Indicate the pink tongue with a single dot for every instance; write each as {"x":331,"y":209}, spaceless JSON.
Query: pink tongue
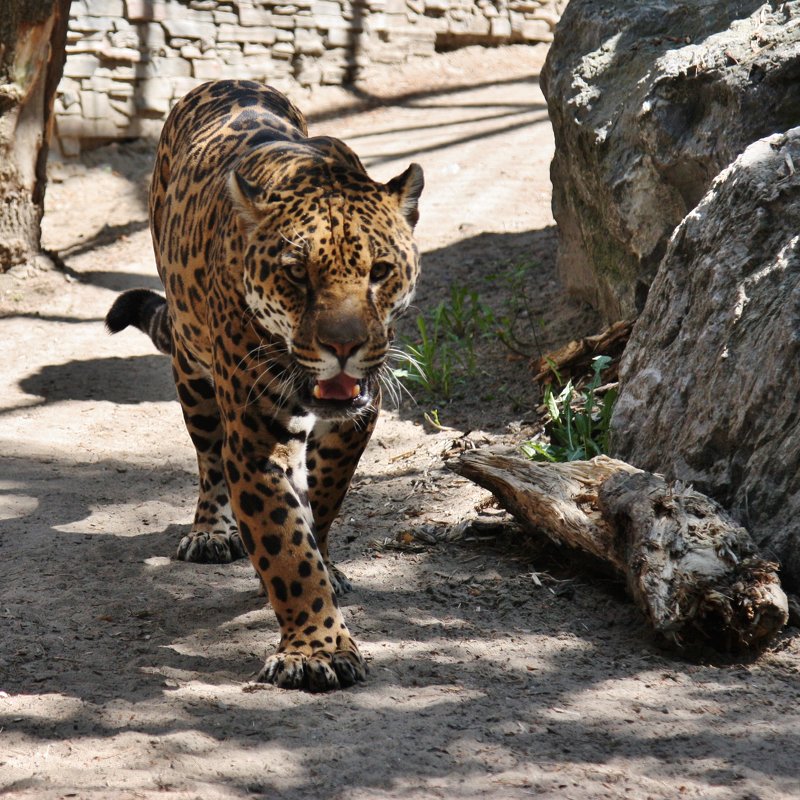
{"x":342,"y":387}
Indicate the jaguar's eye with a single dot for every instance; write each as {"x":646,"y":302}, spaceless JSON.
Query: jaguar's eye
{"x":380,"y":271}
{"x":297,"y":272}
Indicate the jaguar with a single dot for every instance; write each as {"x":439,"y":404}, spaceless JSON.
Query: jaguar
{"x":284,"y":268}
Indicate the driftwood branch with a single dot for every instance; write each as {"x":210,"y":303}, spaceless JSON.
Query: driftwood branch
{"x":574,"y":359}
{"x":694,"y":572}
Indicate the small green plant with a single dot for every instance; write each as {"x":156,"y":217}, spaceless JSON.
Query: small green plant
{"x":517,"y":327}
{"x":443,"y":354}
{"x":432,"y":418}
{"x":465,"y":316}
{"x":578,"y":420}
{"x":428,"y":363}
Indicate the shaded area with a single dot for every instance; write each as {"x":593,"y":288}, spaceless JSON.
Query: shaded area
{"x":513,"y":276}
{"x":144,"y":379}
{"x":417,"y":151}
{"x":363,"y":98}
{"x":120,"y":281}
{"x":108,"y":234}
{"x":501,"y":718}
{"x":33,"y":315}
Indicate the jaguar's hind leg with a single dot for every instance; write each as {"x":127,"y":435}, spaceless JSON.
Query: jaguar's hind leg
{"x":214,"y":537}
{"x":334,"y":450}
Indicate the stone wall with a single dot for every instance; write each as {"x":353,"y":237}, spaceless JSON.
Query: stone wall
{"x":128,"y":61}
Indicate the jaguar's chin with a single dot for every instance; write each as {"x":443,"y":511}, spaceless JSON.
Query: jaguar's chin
{"x":340,"y":397}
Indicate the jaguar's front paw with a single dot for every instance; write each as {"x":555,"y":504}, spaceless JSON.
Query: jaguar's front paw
{"x":211,"y":547}
{"x":321,"y":671}
{"x":339,"y":581}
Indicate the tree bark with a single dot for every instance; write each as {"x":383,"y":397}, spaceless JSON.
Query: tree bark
{"x":694,"y":572}
{"x":574,"y":359}
{"x":33,"y":35}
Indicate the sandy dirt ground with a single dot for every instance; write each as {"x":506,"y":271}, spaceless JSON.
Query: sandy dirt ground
{"x":499,"y":667}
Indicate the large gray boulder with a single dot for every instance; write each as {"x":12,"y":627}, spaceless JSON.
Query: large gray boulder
{"x":649,"y":100}
{"x":710,"y":380}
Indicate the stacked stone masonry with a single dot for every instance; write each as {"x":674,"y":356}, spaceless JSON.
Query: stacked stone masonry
{"x":128,"y":61}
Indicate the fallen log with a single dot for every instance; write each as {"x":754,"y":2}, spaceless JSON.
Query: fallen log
{"x":575,"y":358}
{"x":693,"y":571}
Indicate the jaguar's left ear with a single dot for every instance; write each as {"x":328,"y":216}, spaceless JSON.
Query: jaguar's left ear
{"x":407,"y":187}
{"x":245,"y":196}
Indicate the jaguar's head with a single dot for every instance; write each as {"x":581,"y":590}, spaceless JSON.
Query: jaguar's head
{"x":329,"y":263}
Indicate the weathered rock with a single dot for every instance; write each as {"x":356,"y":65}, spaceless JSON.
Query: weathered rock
{"x":649,"y":100}
{"x":710,"y":378}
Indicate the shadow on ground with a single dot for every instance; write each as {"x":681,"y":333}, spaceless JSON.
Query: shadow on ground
{"x":142,"y":379}
{"x":143,"y":626}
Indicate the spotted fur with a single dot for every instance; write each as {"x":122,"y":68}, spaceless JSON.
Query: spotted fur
{"x":284,"y":266}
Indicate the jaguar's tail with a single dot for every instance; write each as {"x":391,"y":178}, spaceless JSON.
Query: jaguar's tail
{"x":147,"y":311}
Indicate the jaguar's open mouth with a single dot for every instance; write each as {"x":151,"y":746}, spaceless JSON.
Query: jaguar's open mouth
{"x":340,"y":393}
{"x":341,"y":387}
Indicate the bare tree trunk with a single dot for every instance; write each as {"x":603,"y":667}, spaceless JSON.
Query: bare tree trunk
{"x":33,"y":35}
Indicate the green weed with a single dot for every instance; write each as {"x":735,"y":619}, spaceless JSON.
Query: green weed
{"x":444,"y":352}
{"x":578,"y":420}
{"x":517,"y":327}
{"x":428,"y":363}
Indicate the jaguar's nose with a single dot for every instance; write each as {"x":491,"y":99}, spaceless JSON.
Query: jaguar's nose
{"x":343,"y":350}
{"x":341,"y":333}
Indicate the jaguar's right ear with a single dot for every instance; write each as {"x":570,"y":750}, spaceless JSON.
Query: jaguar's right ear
{"x":407,"y":188}
{"x":246,"y":197}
